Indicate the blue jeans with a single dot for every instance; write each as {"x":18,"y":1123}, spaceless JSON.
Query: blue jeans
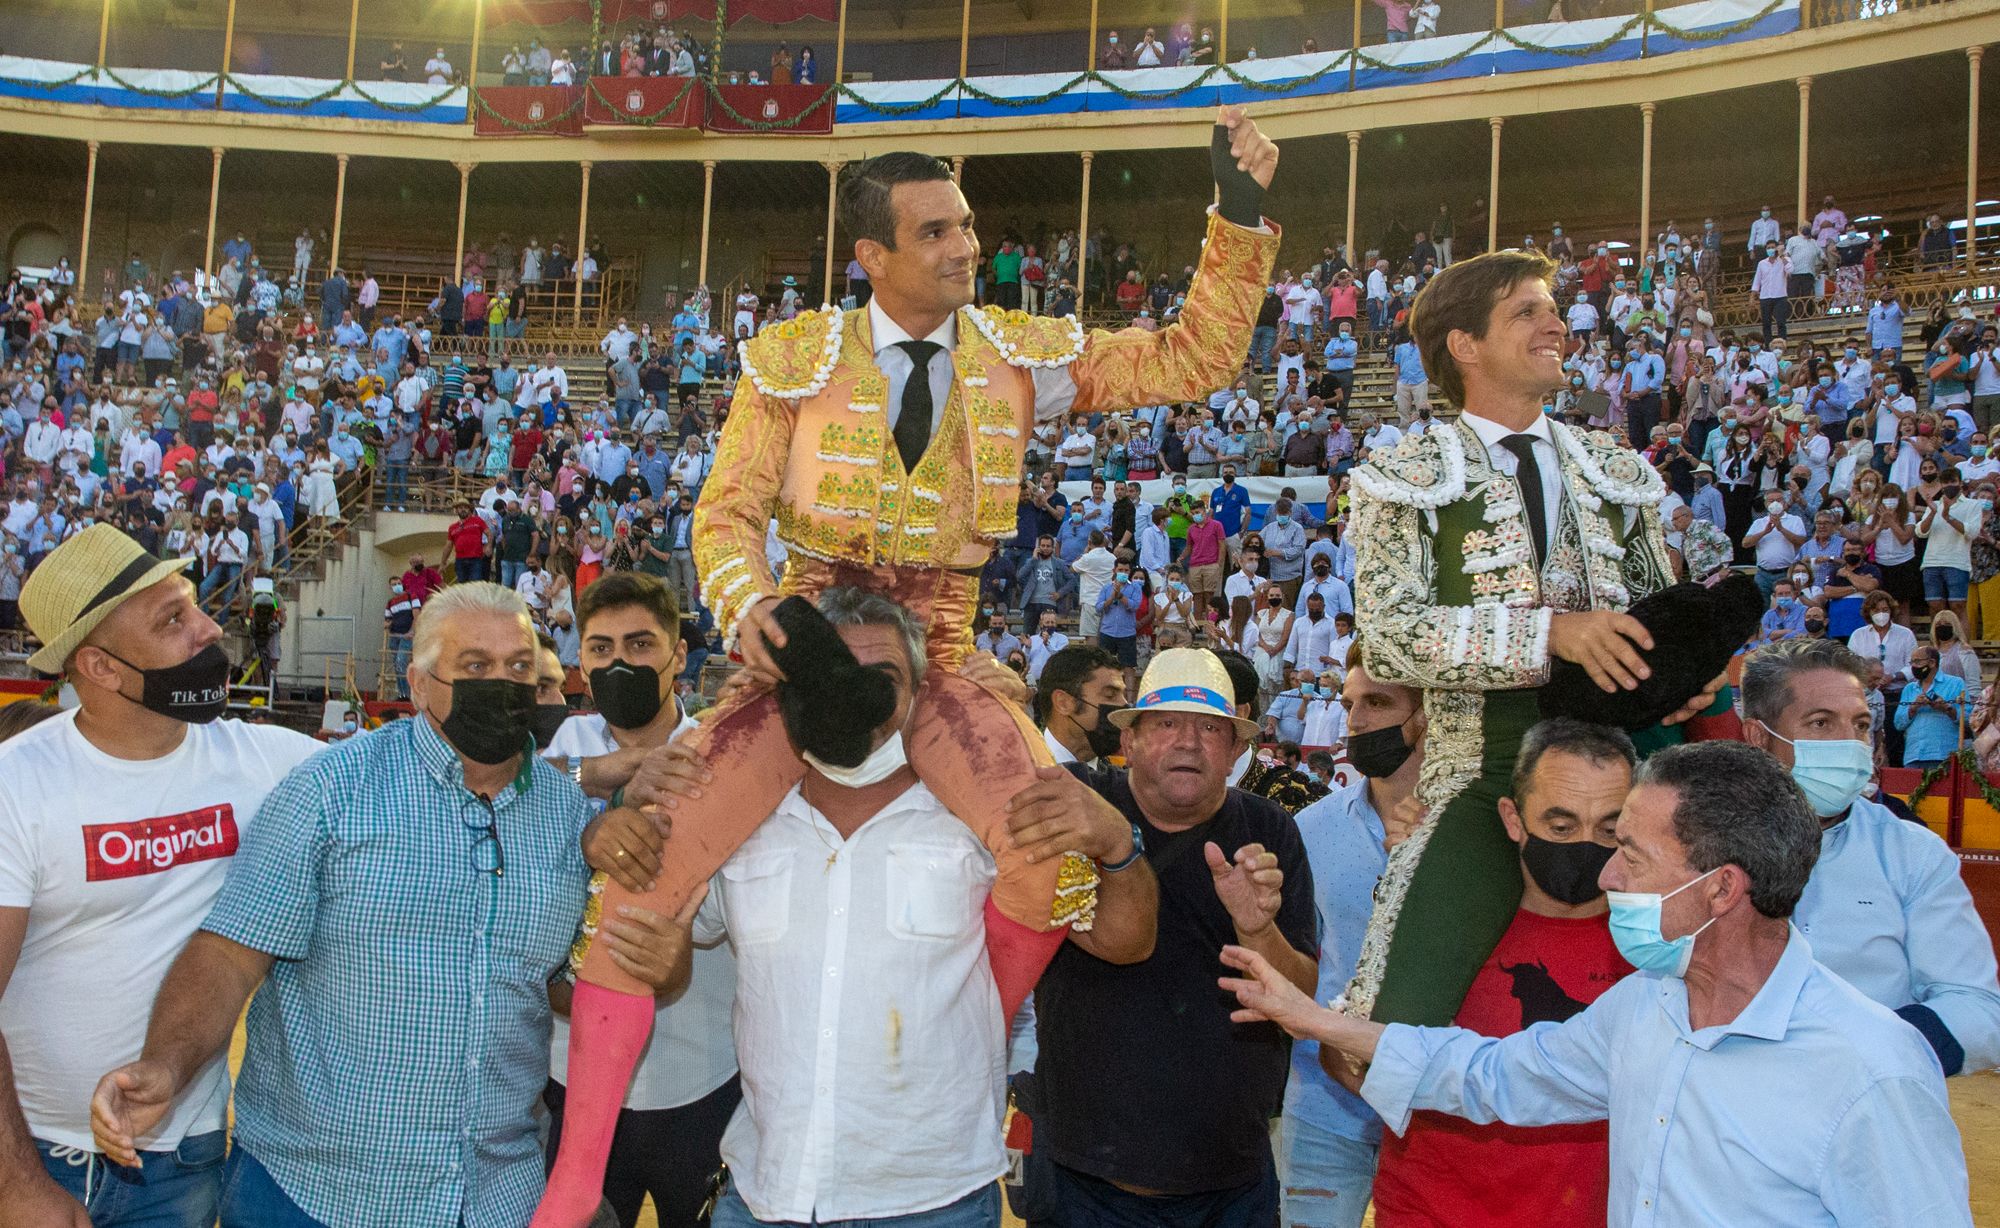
{"x":1327,"y":1178}
{"x":399,"y":652}
{"x":251,"y":1197}
{"x":626,"y":408}
{"x":169,"y":1189}
{"x":1262,"y":339}
{"x":510,"y":572}
{"x":396,"y":475}
{"x":979,"y":1209}
{"x":223,"y":576}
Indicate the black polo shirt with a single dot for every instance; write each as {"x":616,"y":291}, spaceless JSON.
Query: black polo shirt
{"x":1143,"y":1078}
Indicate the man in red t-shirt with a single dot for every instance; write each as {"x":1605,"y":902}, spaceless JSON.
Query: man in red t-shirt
{"x":468,"y":543}
{"x":527,"y":441}
{"x":1557,"y":957}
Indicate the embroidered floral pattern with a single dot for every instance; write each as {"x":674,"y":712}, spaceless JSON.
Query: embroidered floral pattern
{"x":793,"y":359}
{"x":1030,"y":341}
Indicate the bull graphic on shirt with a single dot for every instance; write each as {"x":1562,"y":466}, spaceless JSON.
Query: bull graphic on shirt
{"x":1541,"y":999}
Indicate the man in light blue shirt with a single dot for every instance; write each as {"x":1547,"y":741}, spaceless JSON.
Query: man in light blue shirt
{"x":398,"y":909}
{"x":1929,"y":711}
{"x":1644,"y":376}
{"x":1331,"y":1135}
{"x":1786,"y":617}
{"x":1341,"y":349}
{"x":1886,"y":907}
{"x":1745,"y":1084}
{"x":1707,"y":502}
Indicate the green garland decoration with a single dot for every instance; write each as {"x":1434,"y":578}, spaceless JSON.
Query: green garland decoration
{"x":1153,"y":95}
{"x":759,"y":125}
{"x":51,"y":85}
{"x":486,"y":107}
{"x":205,"y":86}
{"x":407,"y":107}
{"x":1968,"y":760}
{"x":1720,"y":32}
{"x":1362,"y":57}
{"x":271,"y":100}
{"x":646,"y":121}
{"x":973,"y":91}
{"x":1508,"y":36}
{"x":907,"y":108}
{"x":1280,"y":87}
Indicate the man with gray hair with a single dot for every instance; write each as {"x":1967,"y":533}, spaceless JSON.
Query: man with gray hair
{"x":1745,"y":1083}
{"x":398,"y":909}
{"x":1886,"y":907}
{"x":867,"y":1018}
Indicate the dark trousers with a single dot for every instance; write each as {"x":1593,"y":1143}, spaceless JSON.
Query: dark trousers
{"x":1774,"y":313}
{"x":1086,"y":1202}
{"x":1642,"y":414}
{"x":668,"y":1153}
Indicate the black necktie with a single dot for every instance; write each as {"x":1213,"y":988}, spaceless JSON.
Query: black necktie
{"x":913,"y":424}
{"x":1528,"y":475}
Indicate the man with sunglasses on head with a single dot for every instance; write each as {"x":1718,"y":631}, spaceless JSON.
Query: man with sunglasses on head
{"x":398,"y":910}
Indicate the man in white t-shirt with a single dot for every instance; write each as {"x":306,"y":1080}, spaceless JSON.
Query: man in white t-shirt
{"x":1583,"y":319}
{"x":669,"y":1136}
{"x":118,"y":821}
{"x":1045,"y":643}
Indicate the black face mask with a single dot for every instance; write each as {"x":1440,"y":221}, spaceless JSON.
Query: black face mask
{"x":627,"y":695}
{"x":1106,"y":739}
{"x":195,"y":691}
{"x":547,"y":718}
{"x":490,"y":718}
{"x":1567,"y":871}
{"x":1379,"y":752}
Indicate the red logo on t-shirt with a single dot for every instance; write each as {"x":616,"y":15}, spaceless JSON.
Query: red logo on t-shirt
{"x":148,"y":846}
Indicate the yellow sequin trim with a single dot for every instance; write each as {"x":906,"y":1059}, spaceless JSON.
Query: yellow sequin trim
{"x":593,"y":915}
{"x":1076,"y":893}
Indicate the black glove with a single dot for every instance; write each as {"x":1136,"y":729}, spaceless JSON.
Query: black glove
{"x":831,"y":704}
{"x":1242,"y":200}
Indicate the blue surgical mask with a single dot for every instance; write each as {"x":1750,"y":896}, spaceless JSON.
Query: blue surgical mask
{"x":1635,"y":930}
{"x":1308,"y":690}
{"x":1831,"y":773}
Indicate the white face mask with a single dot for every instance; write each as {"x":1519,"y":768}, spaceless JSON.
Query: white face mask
{"x":882,"y":762}
{"x":1880,"y":618}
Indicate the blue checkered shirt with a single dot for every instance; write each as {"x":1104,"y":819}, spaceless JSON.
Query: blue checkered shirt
{"x":397,"y":1049}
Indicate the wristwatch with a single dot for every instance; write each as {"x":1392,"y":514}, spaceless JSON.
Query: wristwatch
{"x":1138,"y":851}
{"x":574,"y":766}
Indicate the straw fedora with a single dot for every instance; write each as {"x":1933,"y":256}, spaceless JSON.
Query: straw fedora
{"x":81,"y":582}
{"x":1185,"y":680}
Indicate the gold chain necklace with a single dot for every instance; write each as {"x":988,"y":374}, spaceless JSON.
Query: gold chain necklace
{"x":833,"y":850}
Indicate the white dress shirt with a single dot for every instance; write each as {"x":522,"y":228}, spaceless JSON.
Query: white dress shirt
{"x":1326,"y":723}
{"x":866,"y":1020}
{"x":1055,"y":391}
{"x":691,"y":1052}
{"x":1309,"y":642}
{"x":1040,"y":650}
{"x":1057,"y":749}
{"x":1546,"y":459}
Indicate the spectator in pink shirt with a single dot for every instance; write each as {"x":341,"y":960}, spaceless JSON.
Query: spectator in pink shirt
{"x":1207,"y":545}
{"x":1398,"y":14}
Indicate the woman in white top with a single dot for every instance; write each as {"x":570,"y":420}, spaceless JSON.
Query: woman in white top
{"x":1271,"y":629}
{"x":1881,"y":639}
{"x":1894,"y":538}
{"x":562,"y":70}
{"x":322,"y":499}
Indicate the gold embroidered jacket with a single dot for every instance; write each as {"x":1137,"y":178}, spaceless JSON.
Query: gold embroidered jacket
{"x":808,"y":441}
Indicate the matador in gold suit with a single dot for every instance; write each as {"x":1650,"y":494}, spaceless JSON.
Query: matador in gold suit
{"x":811,"y":442}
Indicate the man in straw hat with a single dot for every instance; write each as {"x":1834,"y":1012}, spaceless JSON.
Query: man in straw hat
{"x":1177,"y":1125}
{"x":118,"y":821}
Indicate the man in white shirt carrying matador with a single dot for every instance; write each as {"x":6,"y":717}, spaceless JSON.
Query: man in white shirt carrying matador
{"x":887,"y":442}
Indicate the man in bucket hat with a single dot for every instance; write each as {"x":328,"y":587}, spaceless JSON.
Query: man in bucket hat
{"x":118,"y":821}
{"x":1177,"y":1125}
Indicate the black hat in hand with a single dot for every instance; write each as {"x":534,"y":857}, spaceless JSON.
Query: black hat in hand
{"x":1696,"y":629}
{"x":831,"y":704}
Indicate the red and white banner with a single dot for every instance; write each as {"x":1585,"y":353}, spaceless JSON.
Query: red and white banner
{"x":153,"y":846}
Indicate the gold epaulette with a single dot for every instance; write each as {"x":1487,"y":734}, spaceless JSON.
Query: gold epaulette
{"x":793,"y":359}
{"x":1030,"y":341}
